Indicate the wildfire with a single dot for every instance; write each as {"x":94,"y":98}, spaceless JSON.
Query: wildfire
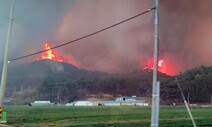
{"x":52,"y":55}
{"x":49,"y":54}
{"x":161,"y":65}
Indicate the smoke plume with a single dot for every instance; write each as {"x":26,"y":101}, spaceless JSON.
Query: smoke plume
{"x":184,"y":25}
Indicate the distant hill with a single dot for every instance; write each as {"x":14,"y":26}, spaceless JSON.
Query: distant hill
{"x":197,"y":84}
{"x":45,"y":68}
{"x":27,"y":78}
{"x":63,"y":82}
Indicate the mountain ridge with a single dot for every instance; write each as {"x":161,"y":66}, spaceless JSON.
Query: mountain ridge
{"x":63,"y":82}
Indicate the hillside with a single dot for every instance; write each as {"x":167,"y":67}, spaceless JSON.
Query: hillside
{"x":62,"y":82}
{"x":24,"y":81}
{"x":197,"y":84}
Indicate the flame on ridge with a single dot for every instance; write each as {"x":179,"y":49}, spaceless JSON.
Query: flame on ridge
{"x":161,"y":65}
{"x":52,"y":55}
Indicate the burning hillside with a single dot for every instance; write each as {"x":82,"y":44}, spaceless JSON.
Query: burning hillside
{"x":49,"y":54}
{"x":161,"y":66}
{"x":53,"y":55}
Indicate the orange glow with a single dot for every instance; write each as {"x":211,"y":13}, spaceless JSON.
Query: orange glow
{"x":161,"y":65}
{"x":52,"y":55}
{"x":49,"y":53}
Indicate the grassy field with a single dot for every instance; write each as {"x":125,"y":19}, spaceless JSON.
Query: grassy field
{"x":61,"y":116}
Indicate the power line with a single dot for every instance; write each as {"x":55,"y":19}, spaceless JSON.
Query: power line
{"x":3,"y":17}
{"x":99,"y":31}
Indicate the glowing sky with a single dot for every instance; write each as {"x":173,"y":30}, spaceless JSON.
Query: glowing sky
{"x":185,"y":32}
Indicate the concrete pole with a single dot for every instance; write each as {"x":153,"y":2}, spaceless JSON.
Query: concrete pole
{"x":5,"y":65}
{"x":157,"y":103}
{"x":188,"y":99}
{"x":155,"y":107}
{"x":186,"y":104}
{"x":211,"y":99}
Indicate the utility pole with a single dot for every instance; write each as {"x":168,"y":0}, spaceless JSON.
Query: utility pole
{"x":5,"y":64}
{"x":188,"y":99}
{"x":185,"y":102}
{"x":155,"y":84}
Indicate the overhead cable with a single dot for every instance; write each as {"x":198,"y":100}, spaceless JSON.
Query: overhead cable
{"x":83,"y":37}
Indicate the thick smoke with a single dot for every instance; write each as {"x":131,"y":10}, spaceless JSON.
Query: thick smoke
{"x":34,"y":23}
{"x":185,"y":32}
{"x":185,"y":29}
{"x":119,"y":49}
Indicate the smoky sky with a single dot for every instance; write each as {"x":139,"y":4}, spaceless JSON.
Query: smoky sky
{"x":184,"y":28}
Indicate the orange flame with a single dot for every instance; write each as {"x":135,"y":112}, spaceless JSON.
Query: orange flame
{"x":50,"y":54}
{"x":161,"y":65}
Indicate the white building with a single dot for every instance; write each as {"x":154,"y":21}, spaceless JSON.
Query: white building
{"x":126,"y":101}
{"x":41,"y":103}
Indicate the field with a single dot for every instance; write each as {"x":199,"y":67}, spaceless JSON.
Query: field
{"x":61,"y":116}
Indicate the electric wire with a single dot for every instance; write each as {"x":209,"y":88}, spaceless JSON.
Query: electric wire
{"x":86,"y":36}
